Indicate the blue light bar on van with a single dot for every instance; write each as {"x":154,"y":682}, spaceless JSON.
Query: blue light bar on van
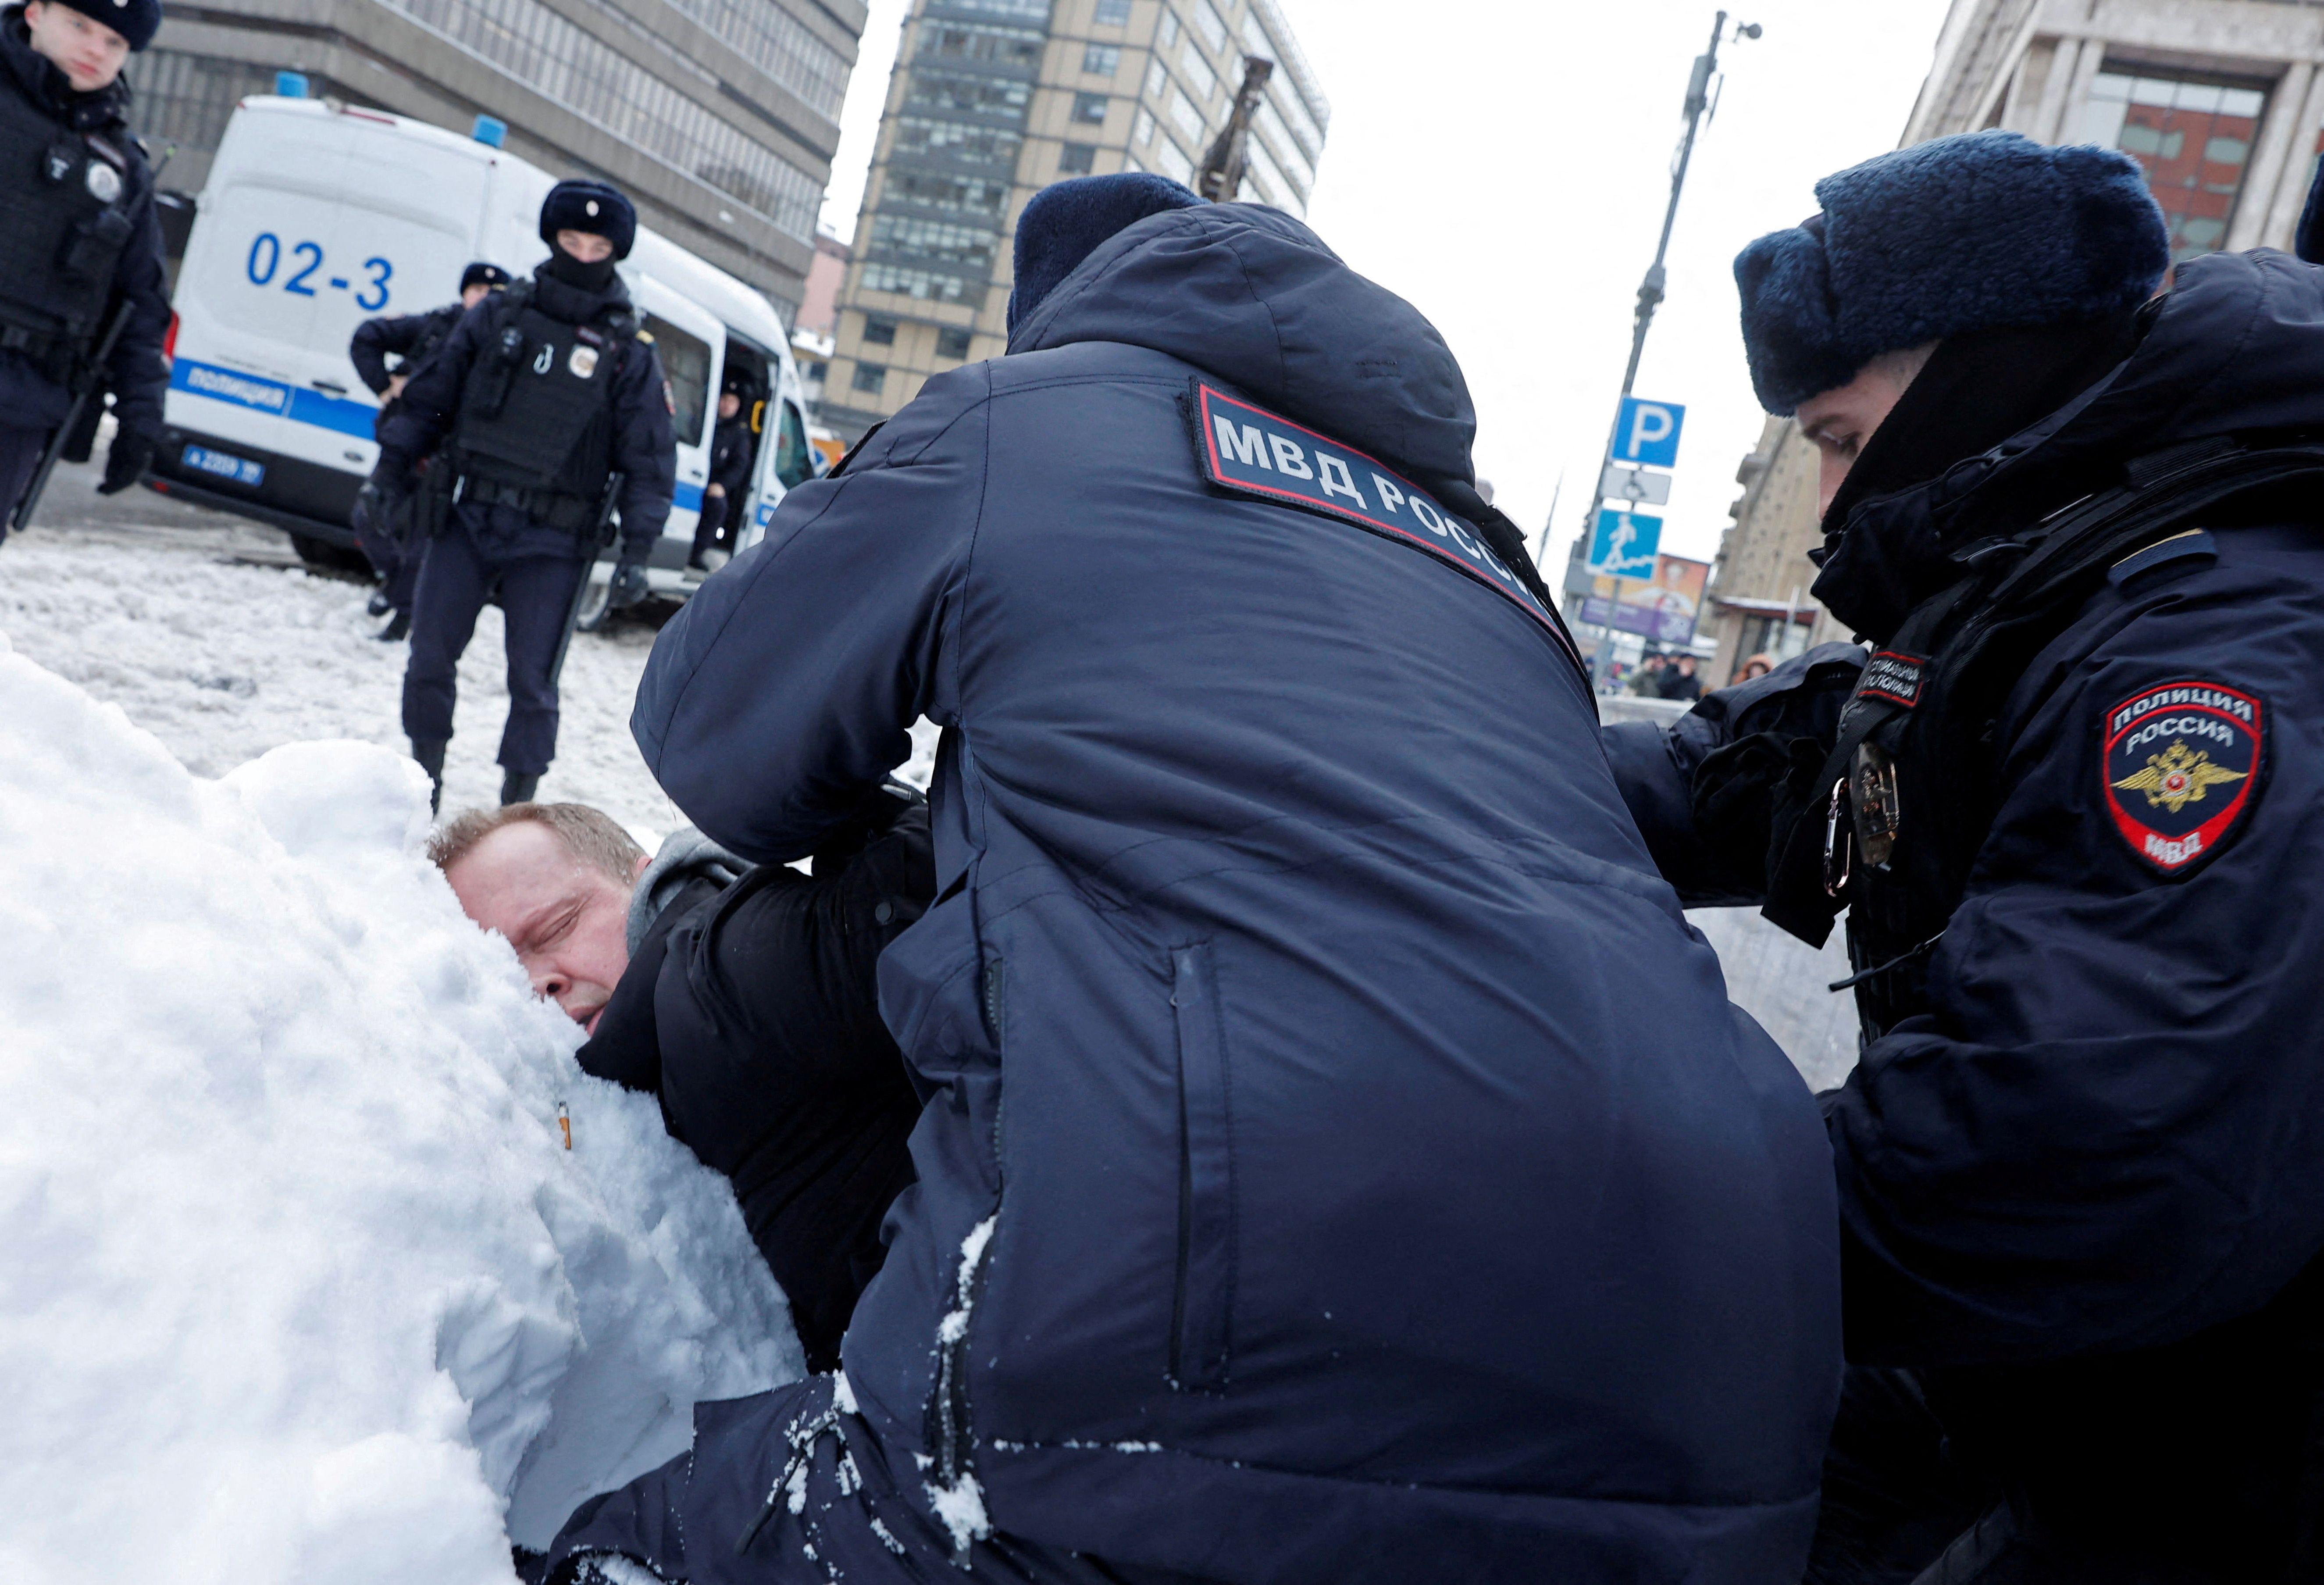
{"x":291,"y":84}
{"x":490,"y":131}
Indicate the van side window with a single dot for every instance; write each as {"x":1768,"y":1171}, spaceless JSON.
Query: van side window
{"x":794,"y":458}
{"x":685,"y":359}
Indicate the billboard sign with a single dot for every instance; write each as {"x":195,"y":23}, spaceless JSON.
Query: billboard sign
{"x":1662,"y":609}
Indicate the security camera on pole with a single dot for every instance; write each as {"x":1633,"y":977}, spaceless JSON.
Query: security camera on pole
{"x":1621,"y":541}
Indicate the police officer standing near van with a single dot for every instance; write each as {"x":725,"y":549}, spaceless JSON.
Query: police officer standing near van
{"x":550,"y":411}
{"x":81,"y":244}
{"x":391,"y":545}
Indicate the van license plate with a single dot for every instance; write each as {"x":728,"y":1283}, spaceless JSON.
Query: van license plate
{"x":239,"y":470}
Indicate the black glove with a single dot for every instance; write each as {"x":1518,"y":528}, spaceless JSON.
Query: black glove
{"x":125,"y":464}
{"x":629,"y":584}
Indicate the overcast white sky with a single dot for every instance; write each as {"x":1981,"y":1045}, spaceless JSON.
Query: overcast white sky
{"x":1504,"y":165}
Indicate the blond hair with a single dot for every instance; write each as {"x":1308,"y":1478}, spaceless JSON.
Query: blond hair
{"x":591,"y":836}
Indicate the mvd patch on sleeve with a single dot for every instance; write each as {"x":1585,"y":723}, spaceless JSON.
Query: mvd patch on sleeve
{"x":1253,"y":452}
{"x":2182,"y":762}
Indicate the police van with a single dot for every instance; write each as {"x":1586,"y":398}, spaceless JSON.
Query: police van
{"x":318,"y":217}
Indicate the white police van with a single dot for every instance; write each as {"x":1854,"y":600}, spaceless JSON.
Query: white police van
{"x":317,"y":217}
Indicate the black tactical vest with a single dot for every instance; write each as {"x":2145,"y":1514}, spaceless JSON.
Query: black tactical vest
{"x":66,"y":195}
{"x":1907,"y":797}
{"x":536,"y":421}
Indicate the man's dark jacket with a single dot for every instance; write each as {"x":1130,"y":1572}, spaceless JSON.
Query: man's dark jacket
{"x":137,"y":373}
{"x":2103,"y":1135}
{"x":411,"y":337}
{"x":751,"y":1010}
{"x":643,"y":451}
{"x":1310,"y":1188}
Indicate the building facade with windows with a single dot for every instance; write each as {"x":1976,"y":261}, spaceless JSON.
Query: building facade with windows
{"x":719,"y":117}
{"x":993,"y":101}
{"x":2220,"y":101}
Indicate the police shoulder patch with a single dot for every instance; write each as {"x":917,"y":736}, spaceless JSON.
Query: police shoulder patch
{"x":1250,"y":451}
{"x":2181,"y":763}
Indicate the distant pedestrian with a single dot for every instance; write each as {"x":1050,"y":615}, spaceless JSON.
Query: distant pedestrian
{"x":1678,"y":681}
{"x":1647,"y":682}
{"x":730,"y":475}
{"x":81,"y":243}
{"x":393,"y":547}
{"x":1758,"y":666}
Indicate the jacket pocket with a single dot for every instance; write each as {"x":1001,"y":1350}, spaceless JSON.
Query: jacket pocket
{"x":1203,"y":1310}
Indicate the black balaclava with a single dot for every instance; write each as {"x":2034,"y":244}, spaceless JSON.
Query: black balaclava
{"x":591,"y":278}
{"x":1978,"y":389}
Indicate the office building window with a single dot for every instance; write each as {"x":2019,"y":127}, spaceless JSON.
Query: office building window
{"x":1189,"y":120}
{"x":186,"y":99}
{"x":1141,"y":132}
{"x":1157,"y":79}
{"x":1101,"y":60}
{"x":1207,"y":24}
{"x":960,"y":195}
{"x":879,"y":332}
{"x":1077,"y":159}
{"x":1090,"y":108}
{"x":558,"y":61}
{"x":1198,"y":73}
{"x":1028,"y":10}
{"x":819,"y":371}
{"x":951,"y":342}
{"x":779,"y":44}
{"x":1112,"y":13}
{"x":925,"y":284}
{"x":2193,"y":139}
{"x":1174,"y":162}
{"x":943,"y":94}
{"x":932,"y":239}
{"x":871,"y":378}
{"x":1166,"y":34}
{"x":976,"y":40}
{"x":971,"y":145}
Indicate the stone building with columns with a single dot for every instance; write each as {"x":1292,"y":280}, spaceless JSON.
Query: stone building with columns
{"x":2220,"y":101}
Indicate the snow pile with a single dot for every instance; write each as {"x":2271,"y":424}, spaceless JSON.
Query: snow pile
{"x":300,"y":1282}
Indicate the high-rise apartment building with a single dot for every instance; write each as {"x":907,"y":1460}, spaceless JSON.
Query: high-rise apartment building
{"x":2220,"y":101}
{"x":993,"y":101}
{"x":719,"y":117}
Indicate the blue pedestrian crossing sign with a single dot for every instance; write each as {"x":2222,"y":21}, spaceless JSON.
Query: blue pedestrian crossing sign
{"x":1648,"y":432}
{"x":1622,"y":544}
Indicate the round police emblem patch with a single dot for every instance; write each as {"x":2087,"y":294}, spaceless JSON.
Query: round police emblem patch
{"x":2182,"y":765}
{"x":104,"y":181}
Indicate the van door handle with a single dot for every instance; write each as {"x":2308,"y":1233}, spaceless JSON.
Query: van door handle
{"x":329,"y":388}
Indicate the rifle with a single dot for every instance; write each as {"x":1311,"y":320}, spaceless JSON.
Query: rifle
{"x":601,"y":534}
{"x":92,"y":376}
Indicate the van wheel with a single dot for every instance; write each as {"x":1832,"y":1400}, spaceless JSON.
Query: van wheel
{"x":594,"y":606}
{"x":325,"y":556}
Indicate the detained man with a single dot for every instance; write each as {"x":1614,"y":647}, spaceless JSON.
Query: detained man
{"x":742,"y":997}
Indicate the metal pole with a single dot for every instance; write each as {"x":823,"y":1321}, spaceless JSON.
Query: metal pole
{"x":1650,"y":291}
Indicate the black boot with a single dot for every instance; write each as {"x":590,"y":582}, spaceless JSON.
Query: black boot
{"x":517,"y":787}
{"x":431,"y":759}
{"x":378,"y":606}
{"x":398,"y":629}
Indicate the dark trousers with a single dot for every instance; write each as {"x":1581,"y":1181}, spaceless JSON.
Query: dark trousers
{"x":786,"y":1489}
{"x":395,"y":548}
{"x":2199,"y":1463}
{"x":710,"y":530}
{"x":536,"y":593}
{"x":20,"y":455}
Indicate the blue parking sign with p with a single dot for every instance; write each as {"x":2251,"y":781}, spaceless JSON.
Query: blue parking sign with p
{"x":1648,"y":432}
{"x":1622,"y":544}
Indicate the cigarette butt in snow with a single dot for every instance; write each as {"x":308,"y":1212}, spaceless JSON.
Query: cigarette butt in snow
{"x":565,"y":1122}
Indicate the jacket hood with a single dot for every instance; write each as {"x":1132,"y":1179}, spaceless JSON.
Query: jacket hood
{"x":1250,"y":295}
{"x":36,"y":76}
{"x":2231,"y":350}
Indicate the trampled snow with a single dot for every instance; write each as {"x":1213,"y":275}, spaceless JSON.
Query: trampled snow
{"x":300,"y":1282}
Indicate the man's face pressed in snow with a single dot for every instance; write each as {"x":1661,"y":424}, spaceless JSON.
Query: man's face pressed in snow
{"x":569,"y":920}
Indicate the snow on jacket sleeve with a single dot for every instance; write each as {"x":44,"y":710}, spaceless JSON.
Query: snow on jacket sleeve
{"x":2103,"y":1135}
{"x":787,"y":686}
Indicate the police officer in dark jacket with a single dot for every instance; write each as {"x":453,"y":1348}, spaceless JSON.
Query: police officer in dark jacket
{"x":1298,"y":1198}
{"x":544,"y":399}
{"x":81,"y":243}
{"x":730,"y":475}
{"x":2073,"y":805}
{"x":392,"y":548}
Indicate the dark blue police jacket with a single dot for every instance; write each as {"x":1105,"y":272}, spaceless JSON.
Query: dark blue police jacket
{"x":1341,"y":1161}
{"x":2108,"y":1132}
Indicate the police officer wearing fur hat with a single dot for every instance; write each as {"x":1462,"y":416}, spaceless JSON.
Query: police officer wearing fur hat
{"x":392,"y":547}
{"x":2073,"y":807}
{"x":545,"y":408}
{"x":81,"y":244}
